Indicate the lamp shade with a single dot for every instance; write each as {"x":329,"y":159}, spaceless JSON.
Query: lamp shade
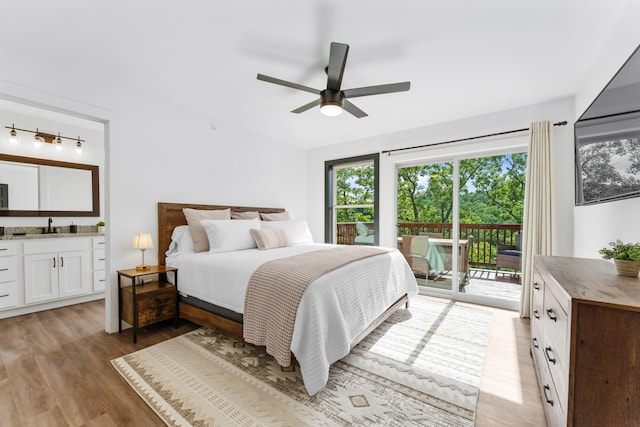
{"x":142,"y":241}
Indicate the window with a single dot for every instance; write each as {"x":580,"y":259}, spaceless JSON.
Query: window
{"x":351,"y":200}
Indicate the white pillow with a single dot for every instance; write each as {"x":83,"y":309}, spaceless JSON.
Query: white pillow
{"x":297,"y":229}
{"x":181,"y":241}
{"x":227,"y":235}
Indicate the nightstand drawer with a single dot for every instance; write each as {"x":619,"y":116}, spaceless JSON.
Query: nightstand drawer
{"x":155,"y":303}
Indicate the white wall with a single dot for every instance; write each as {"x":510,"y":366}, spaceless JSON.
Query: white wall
{"x":491,"y":123}
{"x":595,"y":226}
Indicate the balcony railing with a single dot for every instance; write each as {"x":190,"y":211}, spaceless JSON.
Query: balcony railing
{"x":486,"y":237}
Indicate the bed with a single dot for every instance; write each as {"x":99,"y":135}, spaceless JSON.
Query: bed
{"x":213,"y":287}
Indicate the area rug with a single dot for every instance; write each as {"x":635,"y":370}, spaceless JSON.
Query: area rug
{"x":420,"y":367}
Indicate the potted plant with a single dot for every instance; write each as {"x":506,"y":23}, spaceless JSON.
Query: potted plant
{"x":100,"y":225}
{"x":625,"y":255}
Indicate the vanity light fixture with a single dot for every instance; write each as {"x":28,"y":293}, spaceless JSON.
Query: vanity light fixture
{"x":57,"y":142}
{"x":13,"y":135}
{"x":142,"y":241}
{"x":40,"y":138}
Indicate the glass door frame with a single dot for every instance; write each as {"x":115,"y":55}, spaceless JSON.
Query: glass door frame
{"x":330,"y":195}
{"x":421,"y":159}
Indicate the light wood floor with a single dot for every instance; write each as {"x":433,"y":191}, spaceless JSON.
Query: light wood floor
{"x":55,"y":370}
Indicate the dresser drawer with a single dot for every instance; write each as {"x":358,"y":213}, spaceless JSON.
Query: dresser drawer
{"x":8,"y":269}
{"x":7,"y":249}
{"x":8,"y":295}
{"x":98,"y":259}
{"x":555,"y":414}
{"x":537,"y":301}
{"x":555,"y":342}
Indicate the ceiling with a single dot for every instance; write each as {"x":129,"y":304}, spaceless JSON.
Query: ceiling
{"x":463,"y":57}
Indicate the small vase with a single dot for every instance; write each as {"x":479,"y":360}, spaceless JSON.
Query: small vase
{"x":101,"y":229}
{"x":627,"y":268}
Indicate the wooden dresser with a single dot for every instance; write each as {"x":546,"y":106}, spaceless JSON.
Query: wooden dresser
{"x":585,"y":342}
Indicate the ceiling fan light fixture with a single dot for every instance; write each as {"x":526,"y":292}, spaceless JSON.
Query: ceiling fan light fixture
{"x":331,"y":102}
{"x":331,"y":109}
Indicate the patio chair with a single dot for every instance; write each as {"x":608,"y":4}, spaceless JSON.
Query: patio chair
{"x":415,"y":249}
{"x":509,"y":256}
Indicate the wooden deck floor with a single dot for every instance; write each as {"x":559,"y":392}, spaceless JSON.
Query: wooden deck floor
{"x":55,"y":370}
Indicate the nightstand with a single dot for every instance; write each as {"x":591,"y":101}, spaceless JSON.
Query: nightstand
{"x":147,"y":300}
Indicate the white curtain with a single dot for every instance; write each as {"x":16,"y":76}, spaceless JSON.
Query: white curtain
{"x":539,"y":233}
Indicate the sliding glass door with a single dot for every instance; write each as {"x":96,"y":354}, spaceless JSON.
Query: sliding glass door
{"x":459,"y":225}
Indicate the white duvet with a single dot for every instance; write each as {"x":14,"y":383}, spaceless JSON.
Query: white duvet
{"x":333,"y":311}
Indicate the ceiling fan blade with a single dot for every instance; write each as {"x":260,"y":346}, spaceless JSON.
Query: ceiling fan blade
{"x":353,"y":109}
{"x":377,"y":90}
{"x":337,"y":61}
{"x":287,"y":84}
{"x":305,"y":107}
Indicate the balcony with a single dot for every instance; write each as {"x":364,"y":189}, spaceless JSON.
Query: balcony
{"x":483,"y":250}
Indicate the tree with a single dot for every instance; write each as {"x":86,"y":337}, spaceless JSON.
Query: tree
{"x":491,"y":191}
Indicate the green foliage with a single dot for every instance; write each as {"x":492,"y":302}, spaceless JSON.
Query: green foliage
{"x":100,"y":224}
{"x":620,"y":250}
{"x":491,"y":191}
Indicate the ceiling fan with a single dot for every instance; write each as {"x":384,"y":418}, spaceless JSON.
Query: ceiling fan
{"x":333,"y":100}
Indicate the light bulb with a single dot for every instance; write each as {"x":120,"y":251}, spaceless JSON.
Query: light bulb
{"x":13,"y":136}
{"x":330,"y":110}
{"x":58,"y":143}
{"x":79,"y":146}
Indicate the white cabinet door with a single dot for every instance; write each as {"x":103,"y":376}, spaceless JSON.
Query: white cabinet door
{"x":73,"y":273}
{"x":40,"y":277}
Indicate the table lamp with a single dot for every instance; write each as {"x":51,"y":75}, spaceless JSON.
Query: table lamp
{"x":142,"y":241}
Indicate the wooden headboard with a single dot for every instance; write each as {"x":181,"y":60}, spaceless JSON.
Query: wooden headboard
{"x":170,"y":216}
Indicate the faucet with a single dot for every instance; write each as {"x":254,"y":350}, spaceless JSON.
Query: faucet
{"x":49,"y":228}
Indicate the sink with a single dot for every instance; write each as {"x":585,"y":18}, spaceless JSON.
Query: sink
{"x":45,"y":230}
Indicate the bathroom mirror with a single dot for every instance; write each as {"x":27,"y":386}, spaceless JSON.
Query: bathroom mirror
{"x":42,"y":187}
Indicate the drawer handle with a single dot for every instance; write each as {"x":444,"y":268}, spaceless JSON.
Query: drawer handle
{"x":535,"y":342}
{"x":54,"y":262}
{"x":101,"y":259}
{"x":4,"y":295}
{"x":4,"y":269}
{"x":536,"y":314}
{"x":102,"y":280}
{"x":536,"y":286}
{"x":101,"y":243}
{"x":552,"y":315}
{"x":4,"y":249}
{"x":551,"y":359}
{"x":544,"y":389}
{"x":61,"y":262}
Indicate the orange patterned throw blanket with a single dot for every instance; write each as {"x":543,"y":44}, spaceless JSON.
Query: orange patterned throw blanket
{"x":275,"y":290}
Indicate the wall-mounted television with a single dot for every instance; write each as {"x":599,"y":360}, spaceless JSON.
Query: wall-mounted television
{"x":607,"y":140}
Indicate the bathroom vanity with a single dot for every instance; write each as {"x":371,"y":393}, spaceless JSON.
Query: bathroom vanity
{"x":43,"y":271}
